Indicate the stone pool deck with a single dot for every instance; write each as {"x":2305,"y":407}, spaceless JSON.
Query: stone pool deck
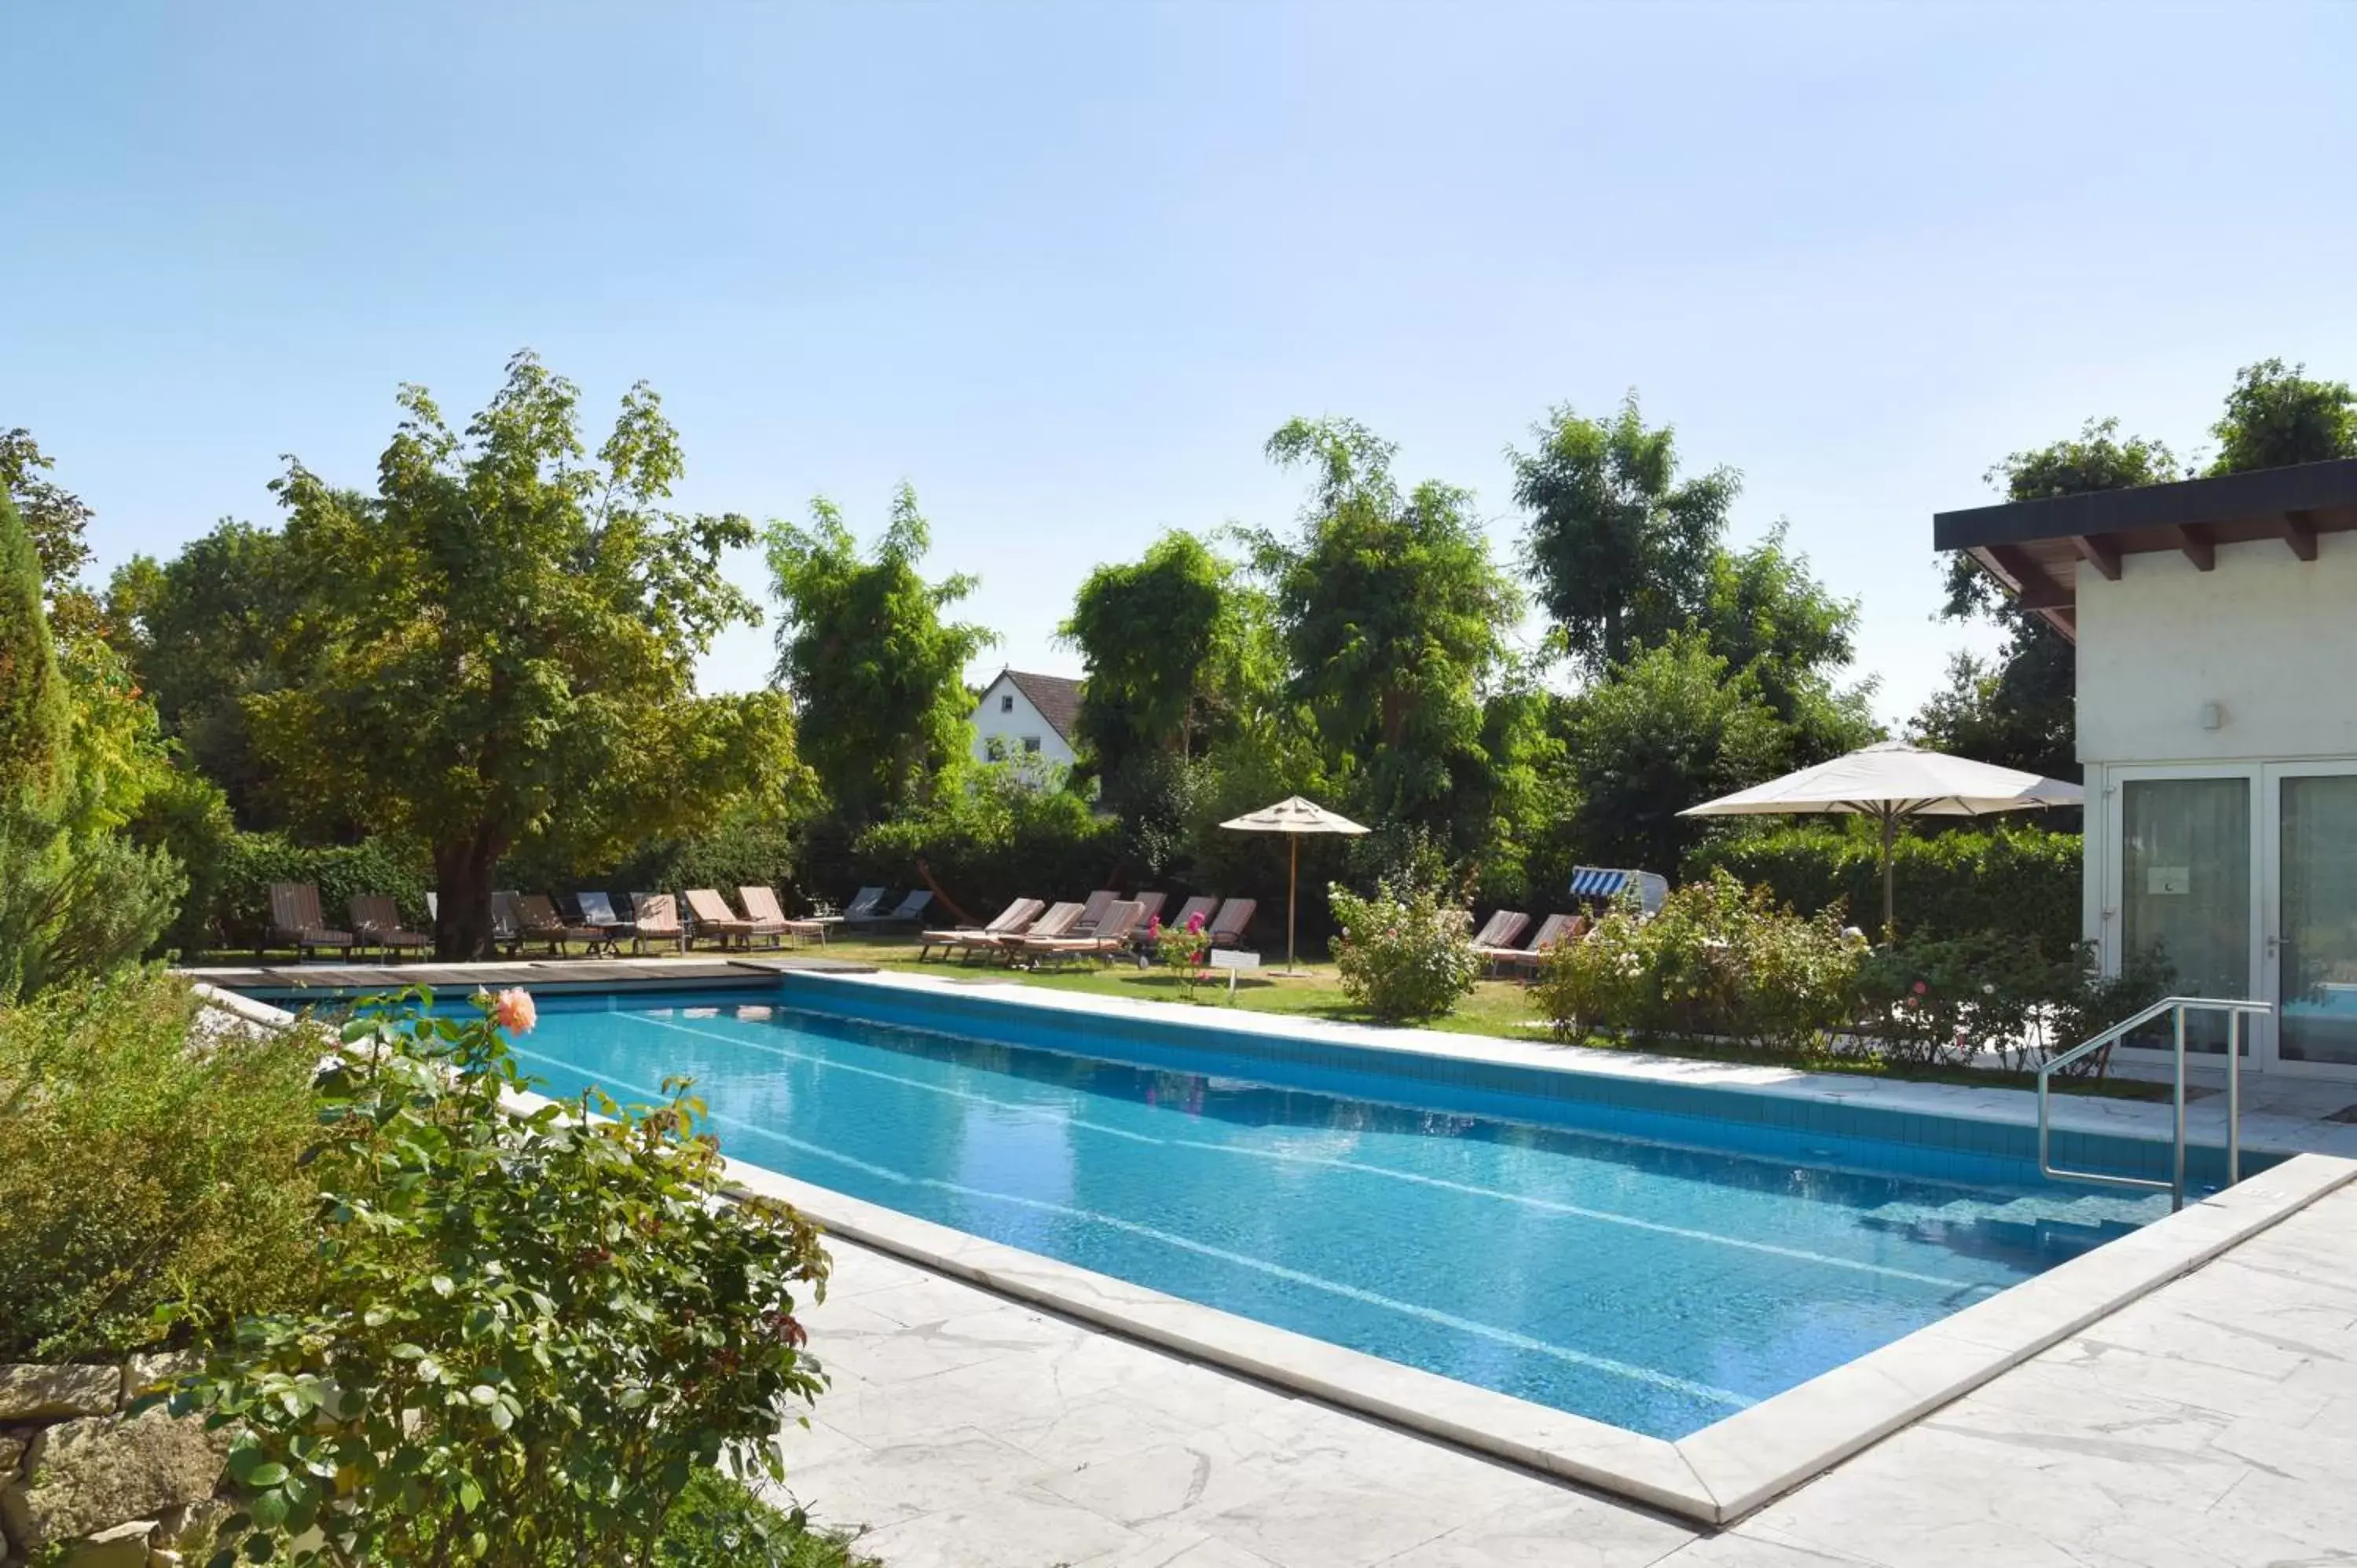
{"x":2213,"y":1422}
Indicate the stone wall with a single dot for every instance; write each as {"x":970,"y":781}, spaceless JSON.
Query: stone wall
{"x":82,"y":1476}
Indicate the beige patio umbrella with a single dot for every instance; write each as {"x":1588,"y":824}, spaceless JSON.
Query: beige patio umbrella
{"x":1292,"y":816}
{"x":1892,"y":781}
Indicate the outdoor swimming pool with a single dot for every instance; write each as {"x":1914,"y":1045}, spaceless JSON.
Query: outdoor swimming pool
{"x":1652,"y":1270}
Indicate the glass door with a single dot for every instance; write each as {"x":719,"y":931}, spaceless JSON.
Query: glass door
{"x":2311,"y":940}
{"x":2184,"y":891}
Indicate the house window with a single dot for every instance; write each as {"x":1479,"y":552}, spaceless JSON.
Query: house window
{"x":1006,"y":705}
{"x":1031,"y":743}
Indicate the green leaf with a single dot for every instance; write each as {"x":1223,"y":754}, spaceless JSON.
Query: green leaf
{"x":266,"y":1475}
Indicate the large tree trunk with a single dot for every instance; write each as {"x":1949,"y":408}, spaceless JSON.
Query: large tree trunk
{"x":462,"y":878}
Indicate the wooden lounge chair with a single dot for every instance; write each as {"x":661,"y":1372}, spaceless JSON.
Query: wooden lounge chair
{"x":376,"y":923}
{"x":1227,"y":930}
{"x":1501,"y":930}
{"x":538,"y":921}
{"x":654,"y":918}
{"x":598,"y":909}
{"x":1058,"y":921}
{"x":770,"y":919}
{"x":909,"y":911}
{"x":295,"y":920}
{"x":1524,"y":962}
{"x":1202,"y":904}
{"x":1094,"y":910}
{"x":1110,"y":937}
{"x":715,"y":918}
{"x":1011,"y":920}
{"x":507,"y":922}
{"x":1148,"y":906}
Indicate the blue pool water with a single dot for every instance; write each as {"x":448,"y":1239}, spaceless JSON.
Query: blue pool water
{"x":1647,"y":1283}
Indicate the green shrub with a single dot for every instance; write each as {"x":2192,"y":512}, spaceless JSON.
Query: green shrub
{"x":139,"y":1167}
{"x":187,"y":816}
{"x":1717,"y":960}
{"x":2013,"y":878}
{"x":74,"y":906}
{"x":530,"y":1332}
{"x":238,"y":913}
{"x":720,"y":1522}
{"x":1940,"y":1002}
{"x":1404,"y":952}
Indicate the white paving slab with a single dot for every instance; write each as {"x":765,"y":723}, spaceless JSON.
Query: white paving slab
{"x":2212,"y":1421}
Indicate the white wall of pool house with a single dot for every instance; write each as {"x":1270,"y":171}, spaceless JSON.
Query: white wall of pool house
{"x":2189,"y":679}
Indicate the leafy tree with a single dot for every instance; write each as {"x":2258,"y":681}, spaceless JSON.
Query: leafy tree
{"x":1769,"y":617}
{"x":2277,"y":414}
{"x":199,"y":631}
{"x":56,"y":517}
{"x":501,"y":642}
{"x":1620,"y":549}
{"x":1671,"y":728}
{"x":876,"y":676}
{"x":1627,"y":554}
{"x":1393,"y":617}
{"x":2018,"y":709}
{"x":1174,"y":648}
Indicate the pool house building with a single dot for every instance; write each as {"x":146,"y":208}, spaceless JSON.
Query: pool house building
{"x":2215,"y":622}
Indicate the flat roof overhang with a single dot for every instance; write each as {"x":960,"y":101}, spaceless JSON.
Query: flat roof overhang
{"x":2033,"y":548}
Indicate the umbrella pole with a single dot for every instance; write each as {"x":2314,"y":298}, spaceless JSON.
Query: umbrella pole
{"x":1292,"y":890}
{"x":1889,"y":916}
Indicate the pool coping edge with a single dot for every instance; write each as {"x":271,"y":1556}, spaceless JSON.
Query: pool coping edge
{"x":1715,"y":1476}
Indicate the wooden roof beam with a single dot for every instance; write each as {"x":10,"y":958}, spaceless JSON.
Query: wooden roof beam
{"x":2300,"y":533}
{"x":2099,"y":551}
{"x":2034,"y":590}
{"x":2195,"y":541}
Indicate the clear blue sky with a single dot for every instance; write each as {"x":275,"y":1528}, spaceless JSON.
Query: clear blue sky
{"x":1064,"y":267}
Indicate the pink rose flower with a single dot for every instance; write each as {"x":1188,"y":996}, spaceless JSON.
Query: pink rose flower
{"x":1920,"y":988}
{"x":514,"y":1011}
{"x":1195,"y":924}
{"x":1154,"y":927}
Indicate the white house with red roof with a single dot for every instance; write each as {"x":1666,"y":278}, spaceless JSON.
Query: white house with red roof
{"x":1027,"y":715}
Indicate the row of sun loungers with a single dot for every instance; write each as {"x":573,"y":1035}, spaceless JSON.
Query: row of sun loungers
{"x":1495,"y":942}
{"x":522,"y":920}
{"x":1104,"y":925}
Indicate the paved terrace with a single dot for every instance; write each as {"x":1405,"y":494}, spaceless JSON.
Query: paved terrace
{"x":2213,"y":1422}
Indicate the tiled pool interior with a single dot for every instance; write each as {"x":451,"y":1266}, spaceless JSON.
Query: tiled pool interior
{"x":1655,"y":1256}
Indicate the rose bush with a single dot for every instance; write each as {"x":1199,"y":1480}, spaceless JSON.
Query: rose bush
{"x":533,"y":1328}
{"x":1404,"y":952}
{"x":1717,"y":960}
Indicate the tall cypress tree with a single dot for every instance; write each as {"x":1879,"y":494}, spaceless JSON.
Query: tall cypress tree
{"x":32,"y":694}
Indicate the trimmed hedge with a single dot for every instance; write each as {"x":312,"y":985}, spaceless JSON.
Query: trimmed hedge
{"x":2021,"y":880}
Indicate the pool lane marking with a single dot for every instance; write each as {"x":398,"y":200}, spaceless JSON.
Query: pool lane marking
{"x":943,"y":1089}
{"x":1552,"y":1206}
{"x":1578,"y":1211}
{"x":1506,"y":1336}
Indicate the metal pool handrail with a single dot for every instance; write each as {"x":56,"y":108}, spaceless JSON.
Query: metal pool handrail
{"x":2234,"y":1007}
